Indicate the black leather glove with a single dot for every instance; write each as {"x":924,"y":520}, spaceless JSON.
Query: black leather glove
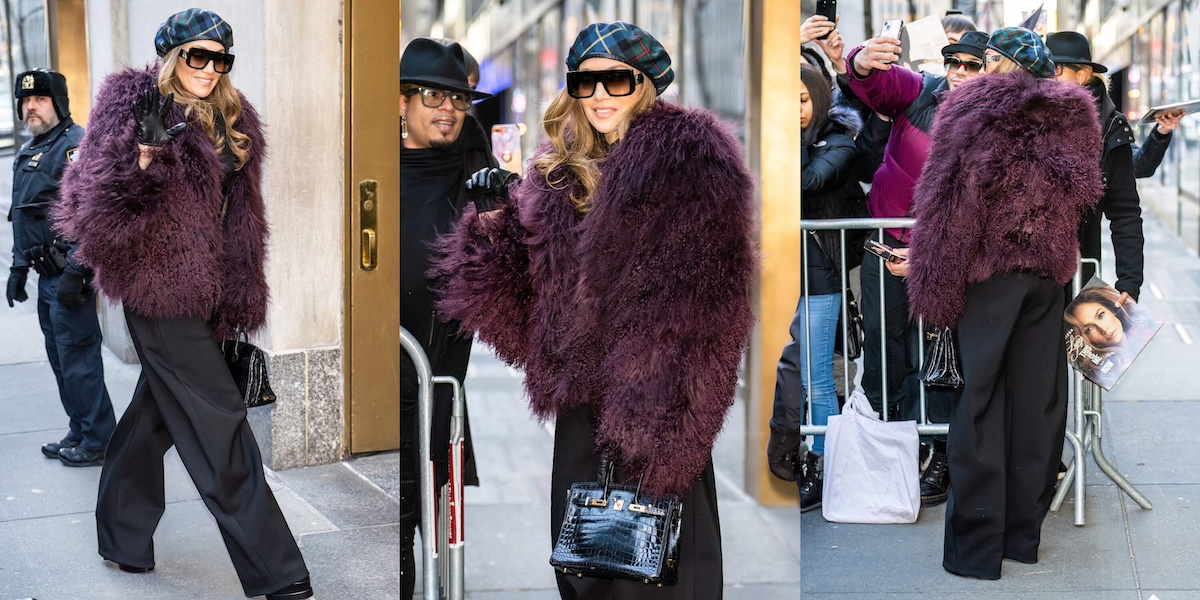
{"x":151,"y":116}
{"x":73,"y":289}
{"x":488,"y":184}
{"x":781,"y":451}
{"x":16,"y":285}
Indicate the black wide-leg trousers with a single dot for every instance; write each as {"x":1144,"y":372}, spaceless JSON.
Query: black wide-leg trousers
{"x":1006,"y":432}
{"x":700,"y":573}
{"x":186,"y":397}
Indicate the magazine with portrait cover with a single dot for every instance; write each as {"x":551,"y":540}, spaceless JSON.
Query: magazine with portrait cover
{"x":1104,"y":335}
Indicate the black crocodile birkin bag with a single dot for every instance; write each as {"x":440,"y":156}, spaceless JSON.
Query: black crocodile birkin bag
{"x":614,"y":532}
{"x":248,"y":365}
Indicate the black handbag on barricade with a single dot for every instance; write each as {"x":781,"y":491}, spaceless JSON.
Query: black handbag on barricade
{"x":941,"y":363}
{"x":854,"y":349}
{"x":614,"y":532}
{"x":248,"y":365}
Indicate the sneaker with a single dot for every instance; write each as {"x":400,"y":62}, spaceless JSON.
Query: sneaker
{"x":52,"y":449}
{"x":80,"y":457}
{"x":811,"y":481}
{"x":1062,"y":470}
{"x":935,"y":484}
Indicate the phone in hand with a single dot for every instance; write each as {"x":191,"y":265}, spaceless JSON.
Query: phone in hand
{"x":892,"y":28}
{"x":827,"y":9}
{"x":883,"y":251}
{"x":506,"y":146}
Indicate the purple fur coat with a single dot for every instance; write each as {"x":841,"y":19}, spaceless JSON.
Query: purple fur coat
{"x":155,"y":238}
{"x":641,"y":309}
{"x":1014,"y":164}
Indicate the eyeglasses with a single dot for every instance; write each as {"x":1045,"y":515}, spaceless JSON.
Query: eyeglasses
{"x":993,"y":58}
{"x":198,"y":58}
{"x":432,"y":98}
{"x":617,"y":82}
{"x":952,"y":64}
{"x":1058,"y":69}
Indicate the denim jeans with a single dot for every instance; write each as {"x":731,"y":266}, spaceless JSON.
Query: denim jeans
{"x":822,"y":319}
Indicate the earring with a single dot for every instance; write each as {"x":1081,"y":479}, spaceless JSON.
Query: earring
{"x":403,"y":128}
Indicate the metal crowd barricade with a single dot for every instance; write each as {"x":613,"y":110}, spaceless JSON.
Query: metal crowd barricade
{"x":807,"y":226}
{"x":1088,"y":397}
{"x":441,"y":537}
{"x":1087,"y":433}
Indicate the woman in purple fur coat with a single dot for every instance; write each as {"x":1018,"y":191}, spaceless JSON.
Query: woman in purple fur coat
{"x":1013,"y":166}
{"x":166,"y":203}
{"x":618,"y":277}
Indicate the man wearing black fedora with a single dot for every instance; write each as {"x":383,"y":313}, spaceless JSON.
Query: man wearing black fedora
{"x":441,"y":146}
{"x":1072,"y":56}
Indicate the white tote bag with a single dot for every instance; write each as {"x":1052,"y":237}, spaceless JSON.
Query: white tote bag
{"x":871,"y":472}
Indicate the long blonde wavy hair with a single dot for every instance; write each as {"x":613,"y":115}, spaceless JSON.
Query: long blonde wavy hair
{"x":223,"y":97}
{"x":576,"y":146}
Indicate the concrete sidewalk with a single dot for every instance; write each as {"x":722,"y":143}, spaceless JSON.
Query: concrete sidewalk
{"x":1123,"y":552}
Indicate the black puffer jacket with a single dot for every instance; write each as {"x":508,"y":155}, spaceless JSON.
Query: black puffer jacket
{"x":831,"y":191}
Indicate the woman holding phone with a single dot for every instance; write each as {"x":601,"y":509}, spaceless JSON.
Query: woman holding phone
{"x":997,"y":208}
{"x":617,"y":275}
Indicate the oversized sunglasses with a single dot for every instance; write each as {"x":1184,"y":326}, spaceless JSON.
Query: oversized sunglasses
{"x":432,"y":98}
{"x":198,"y":58}
{"x":952,"y":65}
{"x":617,"y":82}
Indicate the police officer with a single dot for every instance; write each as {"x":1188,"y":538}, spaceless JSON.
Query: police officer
{"x":66,"y":302}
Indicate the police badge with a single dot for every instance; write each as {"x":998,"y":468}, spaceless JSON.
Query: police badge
{"x":27,"y":82}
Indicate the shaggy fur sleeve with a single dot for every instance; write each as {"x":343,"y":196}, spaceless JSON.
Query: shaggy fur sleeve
{"x":481,"y":269}
{"x":679,"y":313}
{"x":243,"y":302}
{"x":949,"y":212}
{"x":107,"y":201}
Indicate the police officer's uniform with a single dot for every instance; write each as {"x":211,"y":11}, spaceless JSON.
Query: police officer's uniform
{"x":72,"y":335}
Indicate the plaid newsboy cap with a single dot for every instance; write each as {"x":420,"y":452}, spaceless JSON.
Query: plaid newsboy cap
{"x":1025,"y":48}
{"x":191,"y":25}
{"x":626,"y":43}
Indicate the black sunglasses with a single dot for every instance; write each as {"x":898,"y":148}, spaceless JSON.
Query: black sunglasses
{"x":952,"y":65}
{"x":198,"y":58}
{"x":617,"y":82}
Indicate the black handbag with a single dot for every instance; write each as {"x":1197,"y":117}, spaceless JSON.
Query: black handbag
{"x":854,"y":349}
{"x":248,"y":365}
{"x":614,"y":532}
{"x":941,"y":362}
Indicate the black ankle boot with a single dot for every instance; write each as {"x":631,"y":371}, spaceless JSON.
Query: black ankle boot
{"x":811,"y":481}
{"x":297,"y":591}
{"x":935,"y":483}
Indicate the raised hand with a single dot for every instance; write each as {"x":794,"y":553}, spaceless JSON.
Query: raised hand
{"x":877,"y":55}
{"x":815,"y":27}
{"x":151,"y":116}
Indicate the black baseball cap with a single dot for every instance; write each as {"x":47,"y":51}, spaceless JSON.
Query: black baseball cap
{"x":971,"y":42}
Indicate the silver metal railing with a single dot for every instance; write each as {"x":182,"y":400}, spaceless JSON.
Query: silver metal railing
{"x":1087,"y":433}
{"x":924,"y":427}
{"x":444,"y":535}
{"x":1088,"y":397}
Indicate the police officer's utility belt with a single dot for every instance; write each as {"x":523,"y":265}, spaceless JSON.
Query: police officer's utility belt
{"x":48,"y":260}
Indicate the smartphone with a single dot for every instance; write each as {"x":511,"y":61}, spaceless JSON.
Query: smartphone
{"x":506,"y":146}
{"x":827,"y":9}
{"x":892,"y":28}
{"x":883,"y":251}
